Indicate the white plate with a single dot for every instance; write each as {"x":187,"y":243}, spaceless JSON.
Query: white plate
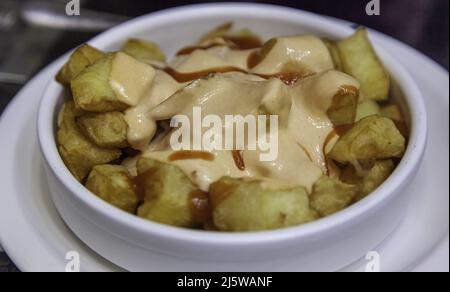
{"x":36,"y":239}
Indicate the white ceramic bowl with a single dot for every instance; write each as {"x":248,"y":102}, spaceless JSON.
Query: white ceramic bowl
{"x":138,"y":245}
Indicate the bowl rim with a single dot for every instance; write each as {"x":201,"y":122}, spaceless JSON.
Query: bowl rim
{"x":407,"y":167}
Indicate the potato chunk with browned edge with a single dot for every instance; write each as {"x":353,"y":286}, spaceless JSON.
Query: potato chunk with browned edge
{"x":370,"y":180}
{"x":249,"y":205}
{"x":360,"y":60}
{"x":144,"y":51}
{"x":81,"y":58}
{"x":367,"y":108}
{"x":344,"y":106}
{"x":371,"y":138}
{"x":392,"y":112}
{"x":113,"y":184}
{"x":379,"y":173}
{"x":334,"y":51}
{"x":330,"y":195}
{"x":166,"y":191}
{"x":108,"y":130}
{"x":113,"y":83}
{"x":92,"y":91}
{"x":79,"y":154}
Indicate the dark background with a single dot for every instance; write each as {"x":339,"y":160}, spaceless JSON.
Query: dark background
{"x":25,"y":49}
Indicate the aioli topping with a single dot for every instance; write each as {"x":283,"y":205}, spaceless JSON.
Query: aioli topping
{"x":301,"y":54}
{"x":234,"y":43}
{"x":130,"y":79}
{"x":292,"y":78}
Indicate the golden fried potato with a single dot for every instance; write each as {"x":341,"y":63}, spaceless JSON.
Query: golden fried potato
{"x":330,"y":195}
{"x":371,"y":138}
{"x":334,"y":51}
{"x":350,"y":176}
{"x":92,"y":91}
{"x":113,"y":184}
{"x":107,"y":130}
{"x":249,"y":205}
{"x":360,"y":60}
{"x":144,"y":51}
{"x":375,"y":177}
{"x":79,"y":154}
{"x":166,"y":191}
{"x":367,"y":108}
{"x":81,"y":58}
{"x":344,"y":105}
{"x":392,"y":112}
{"x":114,"y":83}
{"x":368,"y":181}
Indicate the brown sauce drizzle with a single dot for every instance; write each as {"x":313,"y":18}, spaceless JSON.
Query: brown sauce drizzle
{"x":200,"y":207}
{"x":234,"y":43}
{"x":190,"y":155}
{"x":253,"y":60}
{"x":244,"y":42}
{"x":288,"y":78}
{"x":258,"y":56}
{"x":189,"y":50}
{"x":238,"y":159}
{"x":188,"y":77}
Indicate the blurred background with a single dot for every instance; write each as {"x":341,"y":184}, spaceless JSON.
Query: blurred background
{"x":33,"y":33}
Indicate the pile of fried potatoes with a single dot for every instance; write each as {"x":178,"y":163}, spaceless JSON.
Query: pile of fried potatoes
{"x":92,"y":141}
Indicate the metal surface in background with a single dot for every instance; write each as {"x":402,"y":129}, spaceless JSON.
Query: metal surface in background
{"x":33,"y":33}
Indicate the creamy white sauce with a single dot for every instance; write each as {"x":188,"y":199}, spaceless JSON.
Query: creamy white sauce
{"x":304,"y":124}
{"x":216,"y":57}
{"x":130,"y":79}
{"x":141,"y":128}
{"x":306,"y":54}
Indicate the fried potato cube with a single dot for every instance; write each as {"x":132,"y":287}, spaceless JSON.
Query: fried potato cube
{"x":371,"y":138}
{"x":360,"y":60}
{"x":375,"y":177}
{"x":367,"y":108}
{"x":114,"y":83}
{"x":370,"y":180}
{"x":249,"y":205}
{"x":113,"y":184}
{"x":81,"y":58}
{"x":166,"y":191}
{"x":144,"y":51}
{"x":330,"y":195}
{"x":79,"y":154}
{"x":92,"y":91}
{"x":344,"y":106}
{"x":392,"y":112}
{"x":106,"y":130}
{"x":334,"y":51}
